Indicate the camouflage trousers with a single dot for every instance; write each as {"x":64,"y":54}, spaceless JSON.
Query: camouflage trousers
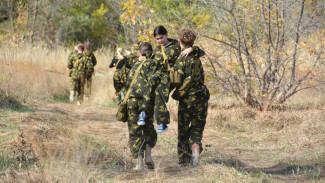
{"x":116,"y":81}
{"x":139,"y":136}
{"x":192,"y":113}
{"x":89,"y":82}
{"x":161,"y":98}
{"x":77,"y":84}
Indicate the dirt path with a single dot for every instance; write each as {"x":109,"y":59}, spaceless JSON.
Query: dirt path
{"x":222,"y":161}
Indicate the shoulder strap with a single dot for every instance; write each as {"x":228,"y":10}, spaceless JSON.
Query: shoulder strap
{"x":119,"y":60}
{"x":76,"y":62}
{"x":165,"y":58}
{"x":132,"y":82}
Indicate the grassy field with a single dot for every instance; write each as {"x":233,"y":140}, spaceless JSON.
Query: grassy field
{"x":44,"y":138}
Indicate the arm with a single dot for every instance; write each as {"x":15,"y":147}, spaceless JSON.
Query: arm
{"x":71,"y":58}
{"x":89,"y":68}
{"x":93,"y":59}
{"x":113,"y":63}
{"x":180,"y":67}
{"x":196,"y":51}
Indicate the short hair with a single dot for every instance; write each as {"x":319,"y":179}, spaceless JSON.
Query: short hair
{"x":187,"y":37}
{"x":76,"y":46}
{"x":81,"y":47}
{"x":144,"y":48}
{"x":159,"y":30}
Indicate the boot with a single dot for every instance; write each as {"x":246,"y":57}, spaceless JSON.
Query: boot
{"x":147,"y":157}
{"x":195,"y":155}
{"x":71,"y":95}
{"x":139,"y":164}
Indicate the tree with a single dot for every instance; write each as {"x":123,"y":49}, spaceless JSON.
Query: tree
{"x":261,"y":51}
{"x":263,"y":45}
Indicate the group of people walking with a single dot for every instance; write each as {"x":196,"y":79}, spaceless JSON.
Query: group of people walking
{"x":144,"y":81}
{"x":81,"y":63}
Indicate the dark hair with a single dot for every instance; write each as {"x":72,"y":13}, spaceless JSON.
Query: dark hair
{"x":144,"y":48}
{"x":81,"y":47}
{"x":187,"y":37}
{"x":160,"y":30}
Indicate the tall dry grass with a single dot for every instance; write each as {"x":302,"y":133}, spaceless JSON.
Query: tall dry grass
{"x":36,"y":73}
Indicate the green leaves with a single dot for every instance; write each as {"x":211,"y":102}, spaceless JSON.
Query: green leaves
{"x":86,"y":21}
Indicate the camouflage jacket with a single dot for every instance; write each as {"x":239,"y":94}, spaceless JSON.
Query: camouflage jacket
{"x":82,"y":67}
{"x":148,"y":77}
{"x":185,"y":67}
{"x":91,"y":57}
{"x":131,"y":60}
{"x":172,"y":52}
{"x":120,"y":63}
{"x":71,"y":59}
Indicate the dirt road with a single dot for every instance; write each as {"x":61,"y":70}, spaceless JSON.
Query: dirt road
{"x":62,"y":142}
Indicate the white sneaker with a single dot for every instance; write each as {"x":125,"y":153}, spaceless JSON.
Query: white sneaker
{"x":78,"y":103}
{"x":71,"y":95}
{"x":195,"y":158}
{"x":142,"y":117}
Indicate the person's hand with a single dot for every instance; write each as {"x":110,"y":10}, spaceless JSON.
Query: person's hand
{"x":142,"y":58}
{"x":186,"y":52}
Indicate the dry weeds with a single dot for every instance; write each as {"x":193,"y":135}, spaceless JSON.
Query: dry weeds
{"x":60,"y":142}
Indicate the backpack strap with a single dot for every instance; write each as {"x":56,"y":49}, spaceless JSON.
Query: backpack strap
{"x":165,"y":58}
{"x":132,"y":82}
{"x":76,"y":62}
{"x":119,"y":60}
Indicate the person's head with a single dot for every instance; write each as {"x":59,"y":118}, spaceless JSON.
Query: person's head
{"x":161,"y":35}
{"x":136,"y":46}
{"x":145,"y":47}
{"x":119,"y":50}
{"x":76,"y":47}
{"x":87,"y":46}
{"x":80,"y":48}
{"x":187,"y":37}
{"x":127,"y":51}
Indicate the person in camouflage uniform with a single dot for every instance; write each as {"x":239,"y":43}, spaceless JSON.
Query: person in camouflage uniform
{"x":120,"y":76}
{"x":88,"y":53}
{"x":81,"y":69}
{"x":132,"y":56}
{"x":142,"y":138}
{"x":172,"y":51}
{"x":71,"y":59}
{"x":193,"y":104}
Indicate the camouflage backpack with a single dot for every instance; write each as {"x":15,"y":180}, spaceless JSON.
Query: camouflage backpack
{"x":174,"y":76}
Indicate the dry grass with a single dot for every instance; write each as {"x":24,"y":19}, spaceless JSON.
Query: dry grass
{"x":60,"y":142}
{"x":37,"y":73}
